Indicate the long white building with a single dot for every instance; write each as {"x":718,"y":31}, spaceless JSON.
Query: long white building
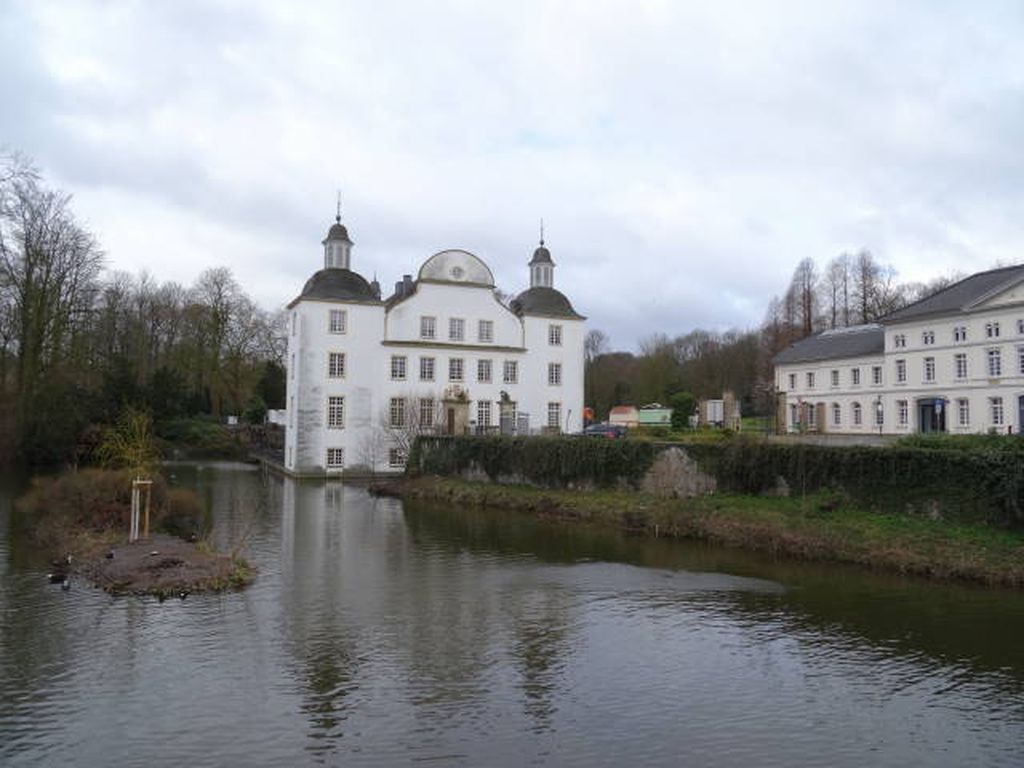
{"x":952,"y":362}
{"x":442,"y":354}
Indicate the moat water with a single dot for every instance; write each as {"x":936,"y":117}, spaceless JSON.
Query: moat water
{"x":380,"y":634}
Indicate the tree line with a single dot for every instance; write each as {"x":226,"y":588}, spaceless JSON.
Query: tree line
{"x":78,"y":344}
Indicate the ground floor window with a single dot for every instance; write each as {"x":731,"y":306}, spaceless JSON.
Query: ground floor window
{"x":903,"y":412}
{"x":879,"y":414}
{"x":837,"y":415}
{"x":335,"y":458}
{"x":396,"y":457}
{"x":963,"y":412}
{"x":856,"y":414}
{"x":794,"y":415}
{"x":811,"y":413}
{"x":554,"y":414}
{"x":483,"y":413}
{"x":996,"y":406}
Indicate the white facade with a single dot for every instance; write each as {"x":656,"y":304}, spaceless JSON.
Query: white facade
{"x":365,"y":374}
{"x":953,"y":362}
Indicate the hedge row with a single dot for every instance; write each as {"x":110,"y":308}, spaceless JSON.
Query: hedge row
{"x":977,"y":486}
{"x":554,"y":462}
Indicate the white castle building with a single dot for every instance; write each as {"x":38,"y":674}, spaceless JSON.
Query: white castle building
{"x":952,"y":362}
{"x":442,"y":355}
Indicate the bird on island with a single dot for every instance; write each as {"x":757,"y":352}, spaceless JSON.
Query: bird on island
{"x":60,"y":570}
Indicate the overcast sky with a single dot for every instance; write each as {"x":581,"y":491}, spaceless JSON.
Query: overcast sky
{"x":684,"y":156}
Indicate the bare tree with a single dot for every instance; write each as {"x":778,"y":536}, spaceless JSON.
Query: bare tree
{"x":836,"y":289}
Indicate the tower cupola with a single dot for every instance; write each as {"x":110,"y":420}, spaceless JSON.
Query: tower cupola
{"x":542,"y":268}
{"x":337,"y":245}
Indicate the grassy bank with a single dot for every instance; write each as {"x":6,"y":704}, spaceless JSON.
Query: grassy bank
{"x":816,"y":527}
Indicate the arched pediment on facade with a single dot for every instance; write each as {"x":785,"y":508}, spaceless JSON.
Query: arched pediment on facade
{"x":457,"y":266}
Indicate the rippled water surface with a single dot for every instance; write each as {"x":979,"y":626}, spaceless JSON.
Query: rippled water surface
{"x":378,"y":634}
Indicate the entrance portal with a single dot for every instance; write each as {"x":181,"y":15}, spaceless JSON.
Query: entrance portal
{"x":931,"y":415}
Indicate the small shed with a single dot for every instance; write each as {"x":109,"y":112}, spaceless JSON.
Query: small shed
{"x":655,"y":415}
{"x":624,"y":415}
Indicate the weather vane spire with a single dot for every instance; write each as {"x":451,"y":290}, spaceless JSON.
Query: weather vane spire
{"x":542,"y":230}
{"x":337,"y":215}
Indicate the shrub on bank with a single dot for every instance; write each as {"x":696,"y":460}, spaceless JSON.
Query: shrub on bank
{"x":94,"y":502}
{"x":200,"y":438}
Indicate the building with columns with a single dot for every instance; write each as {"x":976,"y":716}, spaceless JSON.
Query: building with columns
{"x":951,"y":362}
{"x":441,"y":354}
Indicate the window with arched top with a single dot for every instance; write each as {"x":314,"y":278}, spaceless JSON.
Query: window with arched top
{"x":857,"y":416}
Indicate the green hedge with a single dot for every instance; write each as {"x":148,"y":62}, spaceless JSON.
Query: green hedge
{"x":967,"y":485}
{"x":554,"y":462}
{"x":979,"y":485}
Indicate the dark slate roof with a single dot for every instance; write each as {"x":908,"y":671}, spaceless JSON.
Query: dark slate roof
{"x":337,"y":232}
{"x":337,"y":285}
{"x":544,"y":301}
{"x":960,"y":296}
{"x":857,"y":341}
{"x":542,"y":254}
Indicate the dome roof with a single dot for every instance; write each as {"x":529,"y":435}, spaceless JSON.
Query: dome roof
{"x":337,"y":232}
{"x":457,"y":266}
{"x":542,"y":254}
{"x":337,"y":285}
{"x":546,"y":302}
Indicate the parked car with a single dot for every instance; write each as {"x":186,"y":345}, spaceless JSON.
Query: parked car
{"x":609,"y":431}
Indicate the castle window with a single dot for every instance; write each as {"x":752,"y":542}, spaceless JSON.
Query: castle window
{"x":396,"y":412}
{"x":483,"y":371}
{"x":554,"y":374}
{"x":554,"y":414}
{"x":426,"y":413}
{"x":455,"y":369}
{"x":338,"y":322}
{"x":992,"y":330}
{"x":428,"y":327}
{"x":555,"y":335}
{"x":335,"y":458}
{"x":426,"y":369}
{"x":511,"y":372}
{"x":960,"y":333}
{"x":396,"y":457}
{"x":398,"y":367}
{"x":485,"y":331}
{"x":456,"y":329}
{"x":960,"y":363}
{"x":336,"y":365}
{"x":483,"y":413}
{"x":335,"y":412}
